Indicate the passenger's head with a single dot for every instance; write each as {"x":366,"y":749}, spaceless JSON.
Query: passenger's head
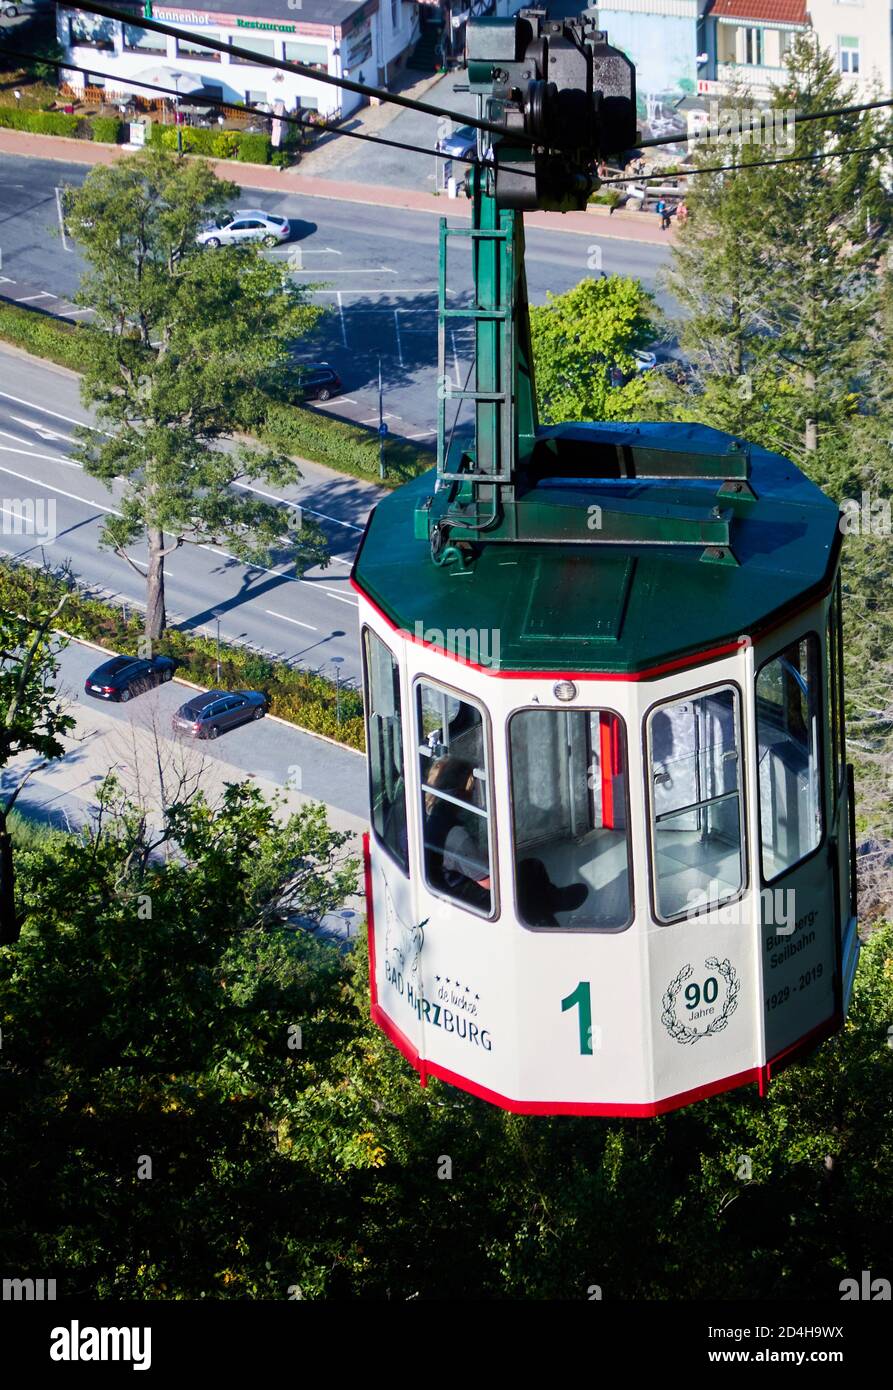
{"x":452,"y":775}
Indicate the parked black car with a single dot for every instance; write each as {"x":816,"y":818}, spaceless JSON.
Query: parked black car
{"x":125,"y":676}
{"x":319,"y":382}
{"x":206,"y":716}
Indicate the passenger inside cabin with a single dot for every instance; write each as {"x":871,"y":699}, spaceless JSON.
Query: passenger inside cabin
{"x":458,"y":853}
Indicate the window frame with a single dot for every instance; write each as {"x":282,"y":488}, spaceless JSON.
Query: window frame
{"x":821,"y":754}
{"x":744,"y":849}
{"x":104,"y":47}
{"x":244,"y":41}
{"x":487,"y":742}
{"x":157,"y":52}
{"x":405,"y":869}
{"x":630,"y":853}
{"x":205,"y":55}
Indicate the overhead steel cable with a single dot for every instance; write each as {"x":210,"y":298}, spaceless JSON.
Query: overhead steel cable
{"x":301,"y":69}
{"x":798,"y":118}
{"x":753,"y":164}
{"x":316,"y":125}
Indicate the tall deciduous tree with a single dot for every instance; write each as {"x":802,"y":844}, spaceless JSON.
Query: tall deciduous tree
{"x":578,"y":339}
{"x":191,"y":336}
{"x":775,"y":273}
{"x":32,"y":720}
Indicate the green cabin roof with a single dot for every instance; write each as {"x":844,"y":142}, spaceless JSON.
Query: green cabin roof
{"x":586,"y":605}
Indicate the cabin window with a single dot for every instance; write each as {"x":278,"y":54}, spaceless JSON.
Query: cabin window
{"x":694,"y":751}
{"x":788,"y":711}
{"x":569,"y":819}
{"x":387,"y":784}
{"x":455,"y":782}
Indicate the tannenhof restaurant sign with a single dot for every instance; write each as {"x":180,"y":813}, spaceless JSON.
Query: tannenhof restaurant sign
{"x":220,"y":20}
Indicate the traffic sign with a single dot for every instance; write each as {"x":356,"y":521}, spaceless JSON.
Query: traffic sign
{"x":382,"y":429}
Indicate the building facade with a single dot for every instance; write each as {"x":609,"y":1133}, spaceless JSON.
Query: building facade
{"x":710,"y":47}
{"x":366,"y":40}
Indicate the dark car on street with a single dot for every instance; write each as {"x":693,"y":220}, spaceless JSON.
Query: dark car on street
{"x":318,"y":382}
{"x":206,"y":716}
{"x":125,"y":676}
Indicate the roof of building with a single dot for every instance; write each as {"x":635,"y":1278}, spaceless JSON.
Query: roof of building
{"x":766,"y":11}
{"x":607,"y":607}
{"x":273,"y":11}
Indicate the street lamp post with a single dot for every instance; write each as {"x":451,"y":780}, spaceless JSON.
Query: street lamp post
{"x":217,"y":620}
{"x":337,"y":662}
{"x":176,"y":76}
{"x":382,"y":427}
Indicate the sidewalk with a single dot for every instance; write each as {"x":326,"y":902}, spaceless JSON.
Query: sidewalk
{"x":623,"y":226}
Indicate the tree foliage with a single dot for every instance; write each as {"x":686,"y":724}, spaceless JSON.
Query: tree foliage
{"x":150,"y":1013}
{"x":191,"y":337}
{"x":578,"y":337}
{"x":32,"y":720}
{"x":775,"y":274}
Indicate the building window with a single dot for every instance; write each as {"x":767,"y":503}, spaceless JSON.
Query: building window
{"x":263,"y":46}
{"x":92,"y":31}
{"x":308,"y":103}
{"x":848,"y":55}
{"x":387,"y":782}
{"x":569,"y":822}
{"x":312,"y":55}
{"x":395,"y":15}
{"x":187,"y":49}
{"x":753,"y":47}
{"x":143,"y":41}
{"x":255,"y":98}
{"x":694,"y":749}
{"x":788,"y":751}
{"x":455,"y":781}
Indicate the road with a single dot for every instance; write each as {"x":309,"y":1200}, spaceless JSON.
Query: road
{"x":373,"y":269}
{"x":136,"y":740}
{"x":307,"y":621}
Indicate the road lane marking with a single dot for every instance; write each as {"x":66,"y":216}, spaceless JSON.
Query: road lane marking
{"x":370,"y":270}
{"x":42,"y":430}
{"x":28,"y":453}
{"x":44,"y":410}
{"x":285,"y":618}
{"x":399,"y":339}
{"x":294,"y":503}
{"x":26,"y":298}
{"x":73,"y":495}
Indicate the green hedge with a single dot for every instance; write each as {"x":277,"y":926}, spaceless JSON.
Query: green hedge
{"x":106,"y":129}
{"x":39,"y":122}
{"x":302,"y":697}
{"x":65,"y":343}
{"x":307,"y":434}
{"x":246,"y":146}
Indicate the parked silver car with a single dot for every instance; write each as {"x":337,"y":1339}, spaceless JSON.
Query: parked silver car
{"x":248,"y":224}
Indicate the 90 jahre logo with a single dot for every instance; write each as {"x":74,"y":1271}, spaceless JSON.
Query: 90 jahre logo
{"x":706,"y":1006}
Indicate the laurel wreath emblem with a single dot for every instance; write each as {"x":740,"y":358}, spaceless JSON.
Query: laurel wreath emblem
{"x":682,"y":1032}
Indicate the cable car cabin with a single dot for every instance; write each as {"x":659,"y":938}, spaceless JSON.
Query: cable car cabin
{"x":610,"y":864}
